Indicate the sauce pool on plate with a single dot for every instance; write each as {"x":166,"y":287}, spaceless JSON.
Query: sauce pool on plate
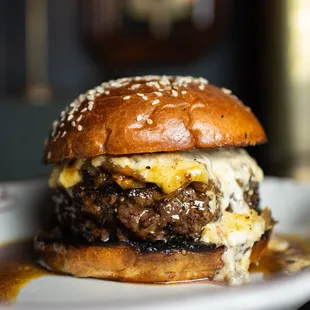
{"x":17,"y":268}
{"x":286,"y":254}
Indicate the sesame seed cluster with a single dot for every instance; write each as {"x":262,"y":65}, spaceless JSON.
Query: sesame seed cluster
{"x":156,"y":85}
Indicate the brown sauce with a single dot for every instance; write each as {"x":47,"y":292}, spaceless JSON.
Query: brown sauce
{"x":18,"y":266}
{"x":286,"y":254}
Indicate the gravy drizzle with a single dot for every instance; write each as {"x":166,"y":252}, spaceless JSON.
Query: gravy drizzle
{"x":17,"y":268}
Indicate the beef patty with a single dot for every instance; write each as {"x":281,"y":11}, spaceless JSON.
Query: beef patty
{"x":109,"y":213}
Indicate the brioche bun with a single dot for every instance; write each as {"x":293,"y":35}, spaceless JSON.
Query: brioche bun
{"x":152,"y":114}
{"x":129,"y":264}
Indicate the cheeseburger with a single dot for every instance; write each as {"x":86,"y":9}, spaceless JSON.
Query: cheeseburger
{"x":151,"y":183}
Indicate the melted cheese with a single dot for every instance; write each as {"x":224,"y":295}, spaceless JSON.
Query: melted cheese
{"x":234,"y":229}
{"x":229,"y":169}
{"x":169,"y":171}
{"x":54,"y":176}
{"x":238,"y":232}
{"x":66,"y":175}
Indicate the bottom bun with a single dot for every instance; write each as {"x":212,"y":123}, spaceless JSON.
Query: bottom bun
{"x":128,"y":263}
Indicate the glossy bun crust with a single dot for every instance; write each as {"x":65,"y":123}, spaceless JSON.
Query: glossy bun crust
{"x":130,"y":264}
{"x":152,"y":114}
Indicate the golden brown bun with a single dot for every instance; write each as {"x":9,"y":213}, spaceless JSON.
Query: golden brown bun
{"x":152,"y":114}
{"x":260,"y":246}
{"x":124,"y":263}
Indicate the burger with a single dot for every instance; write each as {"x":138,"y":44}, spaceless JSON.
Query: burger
{"x":151,"y":183}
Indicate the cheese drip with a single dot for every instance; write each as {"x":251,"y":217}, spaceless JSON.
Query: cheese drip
{"x":238,"y":232}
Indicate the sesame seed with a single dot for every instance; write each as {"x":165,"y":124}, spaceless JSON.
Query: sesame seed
{"x":70,"y":117}
{"x":90,"y":97}
{"x":156,"y":101}
{"x":203,"y":81}
{"x":123,"y":80}
{"x":83,"y":110}
{"x":107,"y":92}
{"x":73,"y":123}
{"x":100,"y":89}
{"x":153,"y":83}
{"x":226,"y":90}
{"x":158,"y":93}
{"x":92,"y":92}
{"x":201,"y":87}
{"x":79,"y":118}
{"x":142,"y":95}
{"x":182,"y":80}
{"x":151,"y":77}
{"x":104,"y":84}
{"x":79,"y":128}
{"x":90,"y":106}
{"x":139,"y":118}
{"x":149,"y":121}
{"x":61,"y":125}
{"x":81,"y":98}
{"x":135,"y":86}
{"x":126,"y":98}
{"x":183,"y":92}
{"x":174,"y":93}
{"x":114,"y":84}
{"x":63,"y":134}
{"x":164,"y":80}
{"x":49,"y":155}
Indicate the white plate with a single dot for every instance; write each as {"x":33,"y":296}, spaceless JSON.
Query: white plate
{"x":20,"y":204}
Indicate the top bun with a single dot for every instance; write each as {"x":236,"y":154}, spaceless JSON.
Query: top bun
{"x":152,"y":114}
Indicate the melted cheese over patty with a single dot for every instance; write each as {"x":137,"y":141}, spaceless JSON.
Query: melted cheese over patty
{"x":170,"y":171}
{"x":231,"y":171}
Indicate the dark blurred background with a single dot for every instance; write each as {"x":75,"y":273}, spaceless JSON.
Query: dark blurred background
{"x":52,"y":50}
